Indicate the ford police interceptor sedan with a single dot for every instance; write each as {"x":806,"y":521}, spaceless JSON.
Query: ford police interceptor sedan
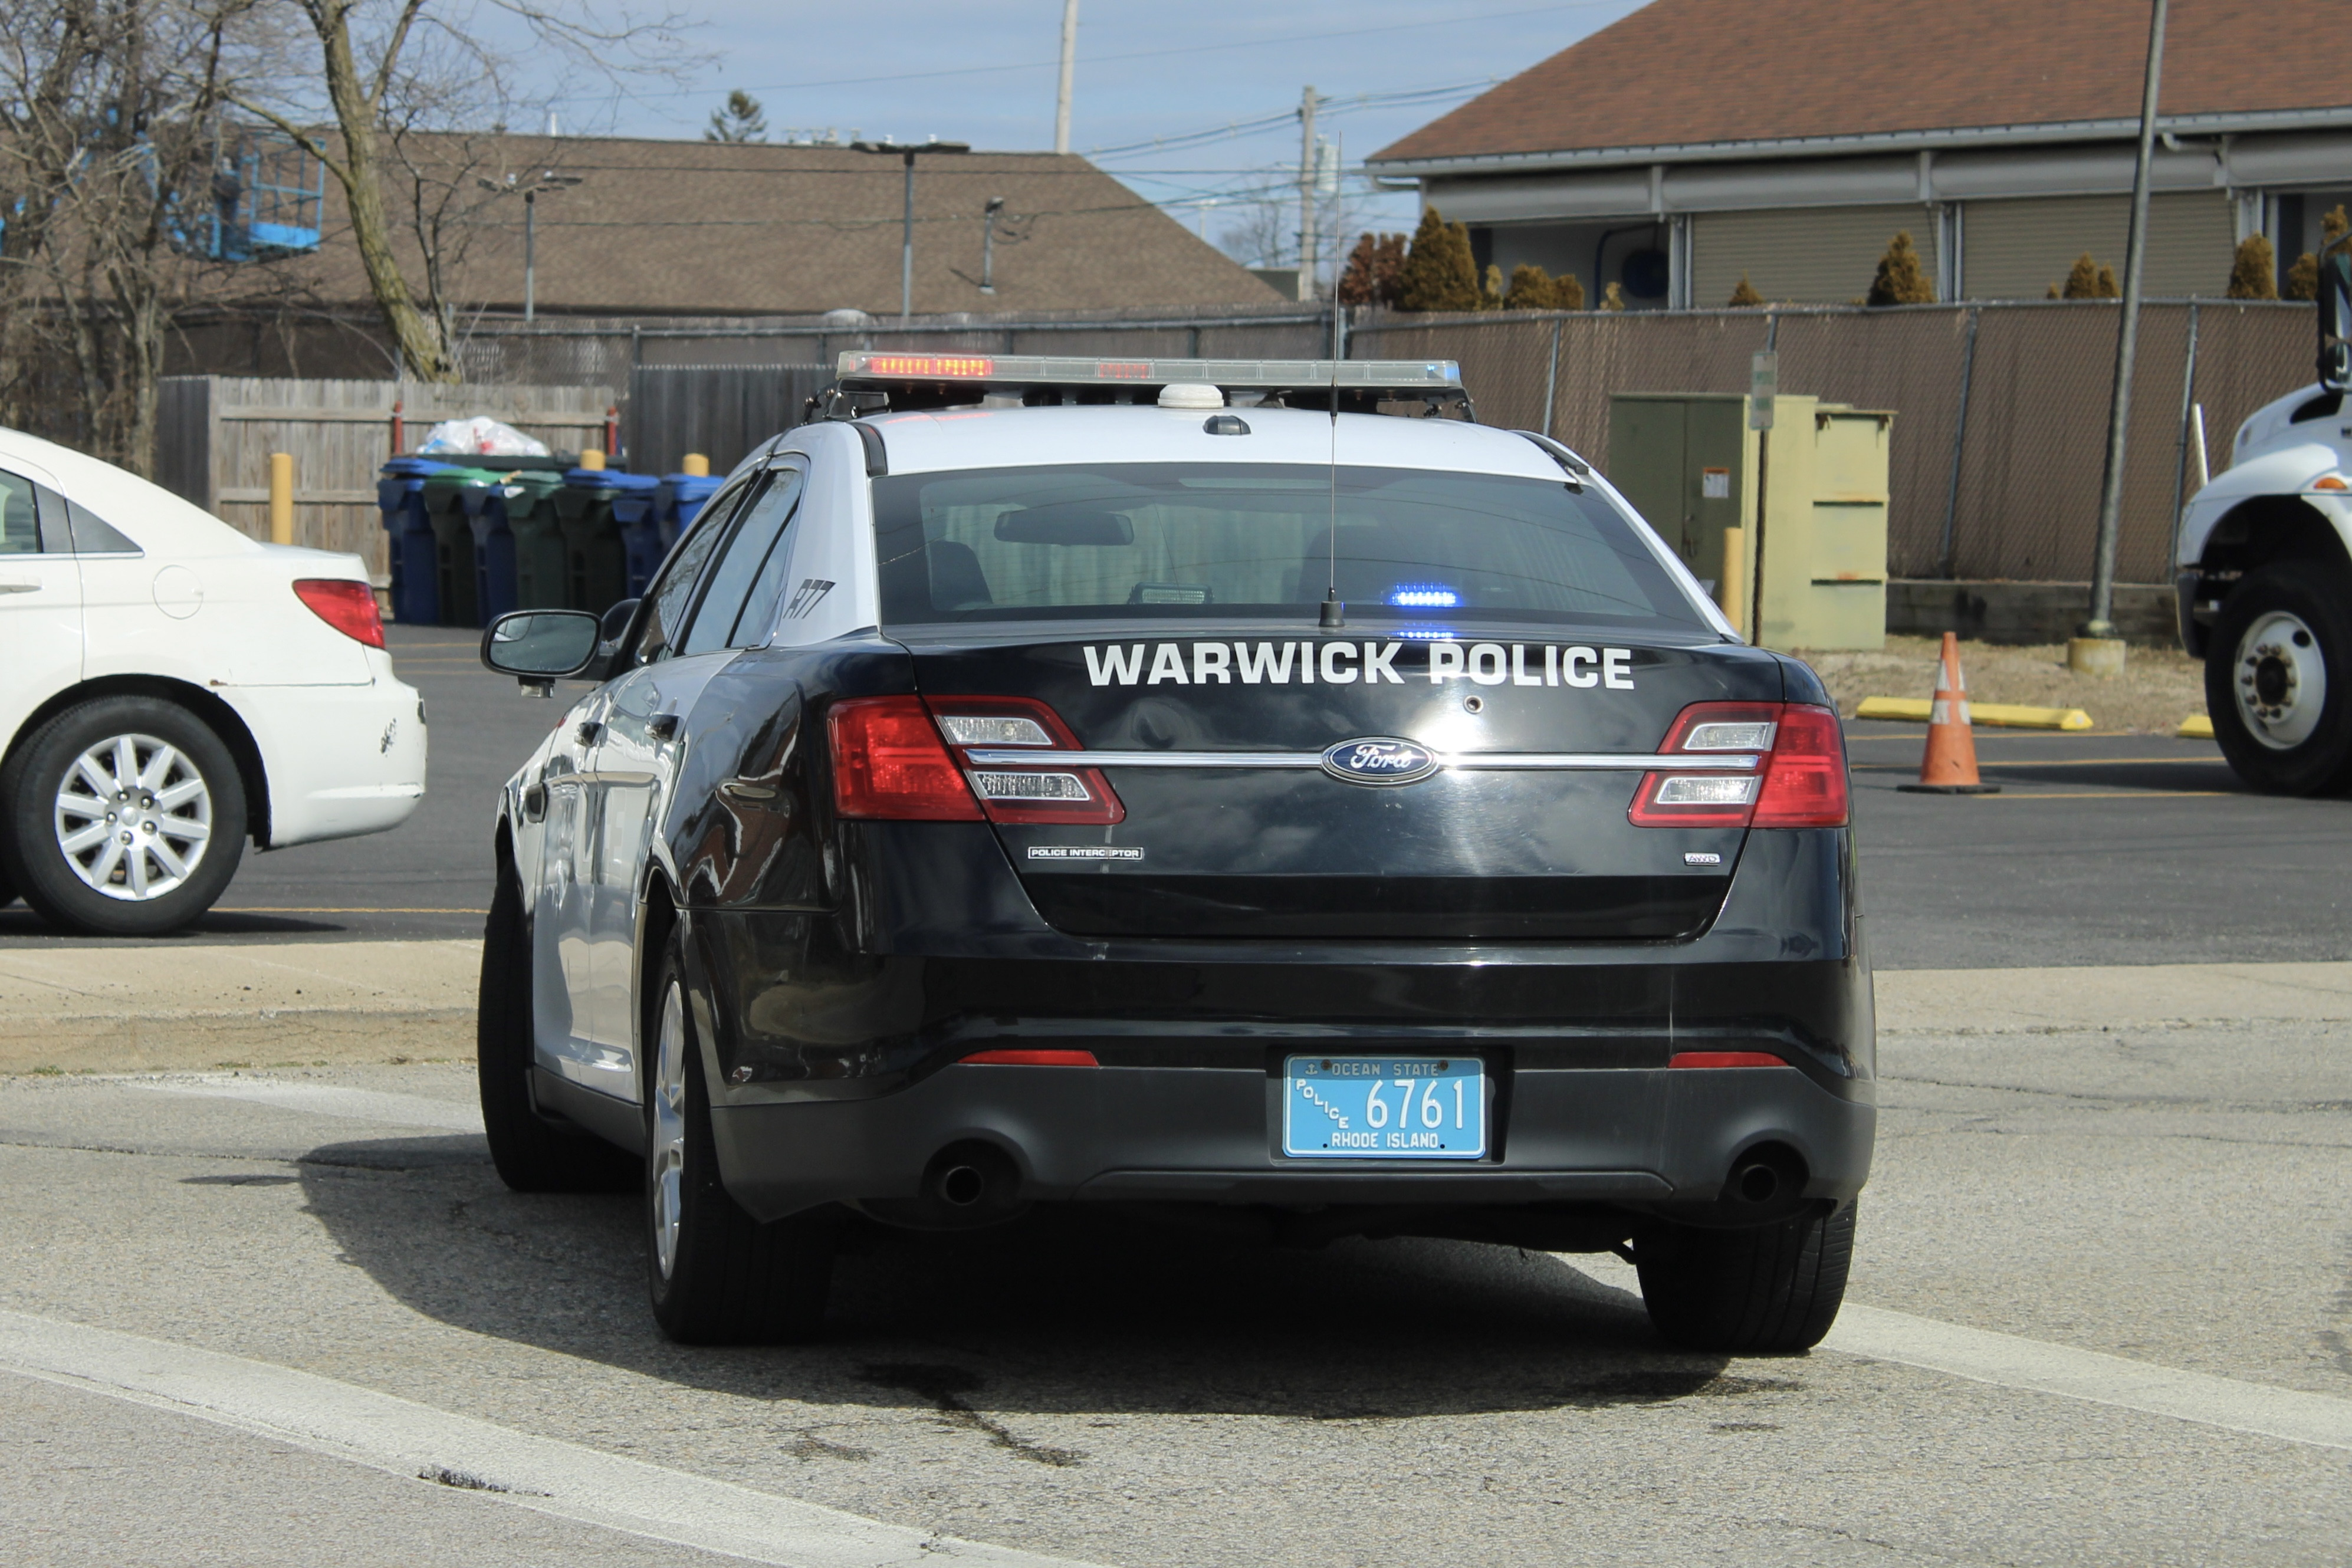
{"x":1181,"y":783}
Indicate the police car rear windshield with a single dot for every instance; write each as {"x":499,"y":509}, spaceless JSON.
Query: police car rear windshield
{"x":1159,"y":541}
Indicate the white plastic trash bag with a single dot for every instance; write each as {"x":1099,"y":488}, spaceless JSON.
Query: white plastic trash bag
{"x":480,"y":437}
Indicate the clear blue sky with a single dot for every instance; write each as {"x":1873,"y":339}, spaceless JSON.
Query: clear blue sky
{"x":983,"y":71}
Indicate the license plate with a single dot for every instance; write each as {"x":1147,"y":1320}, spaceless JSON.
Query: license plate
{"x":1384,"y":1108}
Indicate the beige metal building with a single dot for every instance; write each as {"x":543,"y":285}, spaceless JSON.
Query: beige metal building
{"x":1699,"y":140}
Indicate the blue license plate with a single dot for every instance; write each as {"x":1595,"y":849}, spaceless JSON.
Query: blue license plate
{"x":1384,"y":1108}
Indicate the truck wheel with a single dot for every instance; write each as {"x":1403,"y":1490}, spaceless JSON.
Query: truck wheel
{"x":718,"y":1276}
{"x":1768,"y":1289}
{"x":126,"y":817}
{"x":2278,"y":679}
{"x":531,"y":1154}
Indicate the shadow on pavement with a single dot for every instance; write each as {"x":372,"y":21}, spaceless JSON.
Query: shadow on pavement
{"x":1064,"y":1311}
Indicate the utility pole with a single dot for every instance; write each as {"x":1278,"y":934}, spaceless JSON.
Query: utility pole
{"x":987,"y":244}
{"x":2097,"y":650}
{"x":1306,"y":225}
{"x":1070,"y":71}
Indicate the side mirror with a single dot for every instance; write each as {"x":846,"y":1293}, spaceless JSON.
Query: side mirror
{"x":541,"y":647}
{"x":2336,"y":317}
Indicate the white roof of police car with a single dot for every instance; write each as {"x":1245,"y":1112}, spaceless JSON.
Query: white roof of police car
{"x":920,"y":441}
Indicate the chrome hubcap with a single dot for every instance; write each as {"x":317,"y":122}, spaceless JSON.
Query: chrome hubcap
{"x":133,"y":817}
{"x":668,"y":1154}
{"x":2281,"y":680}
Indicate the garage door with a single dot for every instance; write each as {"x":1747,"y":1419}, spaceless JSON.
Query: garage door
{"x":2017,"y":249}
{"x":1813,"y":255}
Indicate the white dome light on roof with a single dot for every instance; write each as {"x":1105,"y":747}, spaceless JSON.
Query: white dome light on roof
{"x":1191,"y":395}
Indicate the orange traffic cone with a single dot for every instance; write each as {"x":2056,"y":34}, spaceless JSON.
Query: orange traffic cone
{"x":1949,"y":764}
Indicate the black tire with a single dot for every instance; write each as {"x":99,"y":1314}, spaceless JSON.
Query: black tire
{"x":58,"y":885}
{"x":1764,"y":1291}
{"x":723,"y":1278}
{"x":2252,"y":660}
{"x":532,"y":1153}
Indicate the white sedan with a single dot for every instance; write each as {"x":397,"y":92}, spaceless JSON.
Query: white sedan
{"x":169,"y":688}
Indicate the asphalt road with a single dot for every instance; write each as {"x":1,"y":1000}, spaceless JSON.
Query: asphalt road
{"x":1144,"y":1396}
{"x":2101,"y":849}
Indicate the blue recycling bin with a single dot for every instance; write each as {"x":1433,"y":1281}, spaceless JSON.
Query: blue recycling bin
{"x":494,"y":548}
{"x":636,"y":510}
{"x":682,"y":496}
{"x":410,"y":548}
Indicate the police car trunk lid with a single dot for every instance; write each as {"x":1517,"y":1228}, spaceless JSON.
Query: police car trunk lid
{"x":1285,"y":782}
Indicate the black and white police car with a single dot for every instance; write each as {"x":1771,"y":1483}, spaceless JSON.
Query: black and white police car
{"x":1040,"y":780}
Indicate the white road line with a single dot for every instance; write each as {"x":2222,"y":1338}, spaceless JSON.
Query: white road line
{"x":2012,"y":1362}
{"x":543,"y":1474}
{"x":329,"y":1100}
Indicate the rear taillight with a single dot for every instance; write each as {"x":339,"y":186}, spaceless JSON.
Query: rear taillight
{"x":889,"y":762}
{"x":1007,"y":746}
{"x":1804,"y":781}
{"x":348,"y":607}
{"x":1760,"y":765}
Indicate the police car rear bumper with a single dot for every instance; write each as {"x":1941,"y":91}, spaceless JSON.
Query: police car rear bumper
{"x":1636,"y":1138}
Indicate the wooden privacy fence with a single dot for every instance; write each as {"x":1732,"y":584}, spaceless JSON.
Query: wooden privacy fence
{"x":2000,"y":409}
{"x":215,"y":435}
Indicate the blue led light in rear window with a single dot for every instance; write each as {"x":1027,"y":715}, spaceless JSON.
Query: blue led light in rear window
{"x":1423,"y":596}
{"x":1421,"y":631}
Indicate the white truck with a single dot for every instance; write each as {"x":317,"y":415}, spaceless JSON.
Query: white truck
{"x":2265,"y":575}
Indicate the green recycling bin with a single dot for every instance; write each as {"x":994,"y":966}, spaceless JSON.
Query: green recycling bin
{"x":453,"y":542}
{"x":542,"y":569}
{"x":597,"y":575}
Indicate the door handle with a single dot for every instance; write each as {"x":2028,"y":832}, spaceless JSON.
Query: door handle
{"x":18,"y":585}
{"x":662,"y":727}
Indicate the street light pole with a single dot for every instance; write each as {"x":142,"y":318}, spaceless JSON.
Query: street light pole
{"x":530,"y":256}
{"x":2097,"y":650}
{"x":908,"y":155}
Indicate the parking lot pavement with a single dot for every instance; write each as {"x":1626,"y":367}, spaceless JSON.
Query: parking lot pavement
{"x":2100,"y":849}
{"x":2168,"y":1191}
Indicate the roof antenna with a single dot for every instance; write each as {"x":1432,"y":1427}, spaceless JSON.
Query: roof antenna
{"x":1334,"y":614}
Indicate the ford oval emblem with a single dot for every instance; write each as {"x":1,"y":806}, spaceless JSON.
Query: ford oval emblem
{"x":1378,"y":759}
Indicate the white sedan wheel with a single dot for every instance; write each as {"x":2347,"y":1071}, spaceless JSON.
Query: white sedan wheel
{"x":133,"y":817}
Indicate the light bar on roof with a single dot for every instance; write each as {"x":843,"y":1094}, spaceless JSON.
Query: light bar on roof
{"x":1048,"y":370}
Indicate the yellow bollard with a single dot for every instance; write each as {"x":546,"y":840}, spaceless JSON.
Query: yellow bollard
{"x":281,"y":498}
{"x":1731,"y":592}
{"x":591,"y":458}
{"x":696,"y":464}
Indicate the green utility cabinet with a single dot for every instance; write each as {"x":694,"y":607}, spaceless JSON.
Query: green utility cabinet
{"x":1811,"y":562}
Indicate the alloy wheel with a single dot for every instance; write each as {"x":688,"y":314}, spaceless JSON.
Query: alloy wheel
{"x":133,"y":816}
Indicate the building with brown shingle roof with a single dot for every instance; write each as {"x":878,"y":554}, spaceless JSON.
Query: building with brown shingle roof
{"x":1697,"y":141}
{"x":633,"y":227}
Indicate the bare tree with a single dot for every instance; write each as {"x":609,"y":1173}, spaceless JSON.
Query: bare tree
{"x":402,"y":66}
{"x":111,"y":140}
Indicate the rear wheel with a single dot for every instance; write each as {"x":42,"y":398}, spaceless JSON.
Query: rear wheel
{"x":1761,"y":1291}
{"x":532,"y":1155}
{"x":717,"y":1275}
{"x":126,"y":817}
{"x":2278,"y":679}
